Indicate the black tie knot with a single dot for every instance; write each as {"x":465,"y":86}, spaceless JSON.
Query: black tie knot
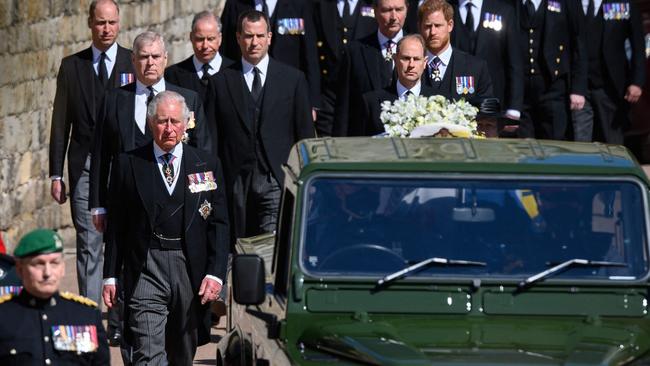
{"x":469,"y":19}
{"x":204,"y":78}
{"x":256,"y":90}
{"x":530,"y":8}
{"x":152,"y":93}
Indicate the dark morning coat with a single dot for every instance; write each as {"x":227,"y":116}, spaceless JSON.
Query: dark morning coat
{"x":130,"y":221}
{"x":75,"y":108}
{"x":184,"y":75}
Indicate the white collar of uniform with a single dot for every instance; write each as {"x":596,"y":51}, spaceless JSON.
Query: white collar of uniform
{"x":477,"y":3}
{"x":142,"y":89}
{"x":177,"y":151}
{"x":263,"y":65}
{"x":383,"y":39}
{"x":111,"y":53}
{"x":445,"y":56}
{"x":401,"y":89}
{"x":535,"y":2}
{"x":215,"y":63}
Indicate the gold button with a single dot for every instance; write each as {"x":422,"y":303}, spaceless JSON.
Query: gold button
{"x":557,"y":73}
{"x":530,"y":51}
{"x":47,"y":361}
{"x":532,"y":60}
{"x":324,"y":72}
{"x":557,"y":60}
{"x":46,"y":339}
{"x":531,"y":31}
{"x":532,"y":71}
{"x":345,"y":41}
{"x":13,"y":351}
{"x":319,"y":44}
{"x":531,"y":41}
{"x":44,"y":317}
{"x":322,"y":57}
{"x":561,"y":47}
{"x":345,"y":29}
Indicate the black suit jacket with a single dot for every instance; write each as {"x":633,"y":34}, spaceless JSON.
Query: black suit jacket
{"x":371,"y":108}
{"x":184,"y":75}
{"x":463,"y":64}
{"x":285,"y":117}
{"x":620,"y":72}
{"x":75,"y":110}
{"x":130,"y":222}
{"x":363,"y":69}
{"x":298,"y":51}
{"x":500,"y":48}
{"x":411,"y":22}
{"x":563,"y":52}
{"x":116,"y":134}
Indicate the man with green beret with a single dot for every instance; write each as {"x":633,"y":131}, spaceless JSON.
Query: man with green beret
{"x":42,"y":326}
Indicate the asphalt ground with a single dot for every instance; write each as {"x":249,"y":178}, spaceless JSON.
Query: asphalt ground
{"x":205,"y":355}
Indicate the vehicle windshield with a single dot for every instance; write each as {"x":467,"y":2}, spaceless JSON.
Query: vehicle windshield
{"x":375,"y":226}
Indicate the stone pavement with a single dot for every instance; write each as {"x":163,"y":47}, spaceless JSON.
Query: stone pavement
{"x":205,"y":355}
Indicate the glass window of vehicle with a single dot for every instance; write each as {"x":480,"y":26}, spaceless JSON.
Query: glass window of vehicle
{"x":373,"y":226}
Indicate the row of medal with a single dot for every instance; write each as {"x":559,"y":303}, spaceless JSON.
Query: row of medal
{"x":616,"y":11}
{"x":75,"y":338}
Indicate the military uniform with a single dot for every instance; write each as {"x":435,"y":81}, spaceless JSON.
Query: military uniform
{"x":63,"y":330}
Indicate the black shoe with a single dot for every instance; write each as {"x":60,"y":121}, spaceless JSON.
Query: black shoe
{"x":114,"y":338}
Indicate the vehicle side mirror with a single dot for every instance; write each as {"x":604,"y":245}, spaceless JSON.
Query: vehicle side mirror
{"x":248,"y":279}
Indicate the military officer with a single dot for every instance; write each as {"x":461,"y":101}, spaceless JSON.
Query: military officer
{"x":42,"y":326}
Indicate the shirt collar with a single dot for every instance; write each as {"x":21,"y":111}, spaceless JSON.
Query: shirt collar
{"x":157,"y":87}
{"x":383,"y":39}
{"x":535,"y":2}
{"x":445,"y":56}
{"x":111,"y":53}
{"x":215,"y":63}
{"x":477,"y":3}
{"x":263,"y":65}
{"x":177,"y":151}
{"x":401,"y":89}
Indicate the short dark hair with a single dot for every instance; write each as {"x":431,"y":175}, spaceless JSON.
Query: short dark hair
{"x":93,"y":6}
{"x":252,"y":16}
{"x":432,"y":6}
{"x":206,"y":14}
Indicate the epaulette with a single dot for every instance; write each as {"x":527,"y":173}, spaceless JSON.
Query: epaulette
{"x":6,"y":297}
{"x":78,"y":298}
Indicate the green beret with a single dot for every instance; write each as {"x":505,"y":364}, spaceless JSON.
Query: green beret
{"x":39,"y":241}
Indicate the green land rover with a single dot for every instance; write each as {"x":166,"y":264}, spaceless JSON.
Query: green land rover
{"x":447,"y":252}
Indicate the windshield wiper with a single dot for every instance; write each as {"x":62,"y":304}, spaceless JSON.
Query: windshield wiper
{"x":423,"y":264}
{"x":526,"y":283}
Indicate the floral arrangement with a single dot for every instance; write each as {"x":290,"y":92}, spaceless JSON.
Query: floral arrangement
{"x":419,"y":116}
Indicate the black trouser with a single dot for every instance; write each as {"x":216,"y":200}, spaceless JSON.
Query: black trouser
{"x":545,"y":114}
{"x":598,"y":121}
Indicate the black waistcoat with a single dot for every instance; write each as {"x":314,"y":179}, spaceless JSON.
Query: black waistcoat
{"x":594,"y":27}
{"x":254,"y":109}
{"x":168,"y":212}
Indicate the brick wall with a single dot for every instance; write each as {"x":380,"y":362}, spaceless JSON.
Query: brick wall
{"x":36,"y":35}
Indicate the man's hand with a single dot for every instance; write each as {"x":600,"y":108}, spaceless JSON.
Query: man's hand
{"x":633,"y":94}
{"x":577,"y":102}
{"x":99,"y":220}
{"x":109,"y":294}
{"x":57,"y":190}
{"x":209,"y":290}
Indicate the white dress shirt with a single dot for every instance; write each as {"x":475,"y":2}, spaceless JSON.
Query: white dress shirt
{"x":401,"y":90}
{"x":476,"y":11}
{"x":383,"y":39}
{"x":111,"y":56}
{"x":247,"y":69}
{"x":215,"y":65}
{"x":141,"y":95}
{"x":340,"y":5}
{"x":535,"y":2}
{"x":270,"y":4}
{"x":585,"y":5}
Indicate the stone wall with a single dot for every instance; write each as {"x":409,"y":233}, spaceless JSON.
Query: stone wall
{"x":36,"y":35}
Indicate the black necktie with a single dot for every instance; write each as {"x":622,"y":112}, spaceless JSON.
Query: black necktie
{"x":265,"y":9}
{"x":101,"y":69}
{"x":346,"y":9}
{"x":168,"y":168}
{"x":469,"y":20}
{"x":590,"y":9}
{"x":530,"y":8}
{"x":256,"y":91}
{"x":204,"y":78}
{"x":151,"y":94}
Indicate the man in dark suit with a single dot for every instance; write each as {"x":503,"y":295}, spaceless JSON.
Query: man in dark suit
{"x":262,"y":109}
{"x":168,"y":236}
{"x":193,"y":72}
{"x":81,"y":83}
{"x":123,"y":125}
{"x":451,"y":73}
{"x":368,"y":64}
{"x":337,"y":22}
{"x":294,"y":36}
{"x":488,"y":29}
{"x":410,"y":62}
{"x":613,"y":82}
{"x":554,"y":66}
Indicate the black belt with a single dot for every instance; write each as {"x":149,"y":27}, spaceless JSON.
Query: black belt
{"x":159,"y":241}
